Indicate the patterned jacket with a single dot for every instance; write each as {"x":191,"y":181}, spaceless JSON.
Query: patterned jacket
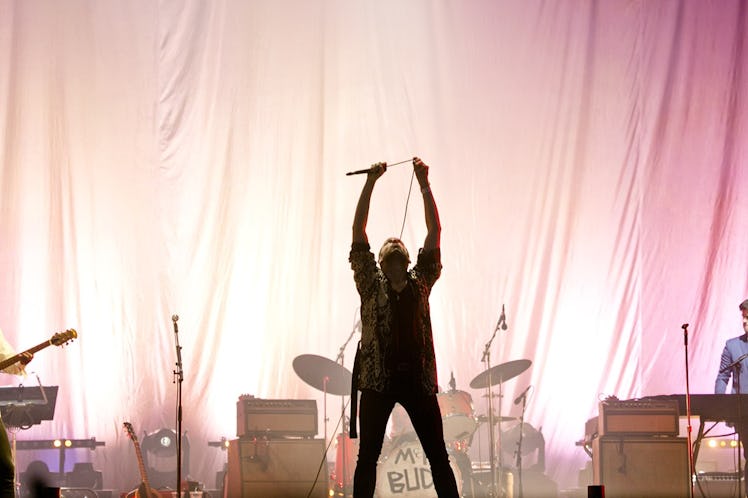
{"x":376,"y":346}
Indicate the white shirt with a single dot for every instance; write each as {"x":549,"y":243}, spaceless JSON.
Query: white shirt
{"x":6,"y":351}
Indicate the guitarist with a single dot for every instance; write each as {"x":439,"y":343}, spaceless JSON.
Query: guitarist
{"x":7,"y":466}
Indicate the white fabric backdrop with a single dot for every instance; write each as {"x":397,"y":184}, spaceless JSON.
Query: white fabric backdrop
{"x":188,"y":157}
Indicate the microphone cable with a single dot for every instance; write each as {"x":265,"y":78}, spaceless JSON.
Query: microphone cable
{"x":407,"y":201}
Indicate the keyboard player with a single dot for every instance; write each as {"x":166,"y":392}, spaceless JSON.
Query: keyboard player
{"x":734,"y":363}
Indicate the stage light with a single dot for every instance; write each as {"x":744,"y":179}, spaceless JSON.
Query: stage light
{"x":165,"y":442}
{"x":46,"y":444}
{"x":160,"y":457}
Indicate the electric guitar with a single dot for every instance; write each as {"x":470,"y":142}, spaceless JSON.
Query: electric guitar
{"x":59,"y":339}
{"x":144,"y":490}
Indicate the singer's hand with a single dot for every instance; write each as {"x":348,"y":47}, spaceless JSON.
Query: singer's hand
{"x":422,"y":172}
{"x":26,"y":357}
{"x":376,"y":170}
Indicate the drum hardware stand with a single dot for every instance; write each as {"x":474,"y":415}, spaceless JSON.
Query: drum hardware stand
{"x":324,"y":404}
{"x":492,"y":446}
{"x":341,"y":359}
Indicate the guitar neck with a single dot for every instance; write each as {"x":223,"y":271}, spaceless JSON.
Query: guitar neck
{"x":141,"y":467}
{"x":15,"y":359}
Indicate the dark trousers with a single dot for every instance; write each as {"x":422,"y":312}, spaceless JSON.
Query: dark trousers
{"x":742,"y":430}
{"x":423,"y":410}
{"x":7,"y":469}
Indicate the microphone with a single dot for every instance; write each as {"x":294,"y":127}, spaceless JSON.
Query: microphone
{"x":174,"y":319}
{"x":367,"y":170}
{"x":358,"y":172}
{"x":523,"y":395}
{"x":502,"y":320}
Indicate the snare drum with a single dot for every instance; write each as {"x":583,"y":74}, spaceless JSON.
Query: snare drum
{"x":457,"y":415}
{"x":405,"y":472}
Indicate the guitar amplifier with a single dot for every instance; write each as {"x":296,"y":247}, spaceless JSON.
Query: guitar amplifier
{"x":641,"y":466}
{"x":272,"y":418}
{"x":282,"y":468}
{"x":632,"y":417}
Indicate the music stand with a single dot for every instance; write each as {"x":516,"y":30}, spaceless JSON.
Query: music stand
{"x":24,"y":407}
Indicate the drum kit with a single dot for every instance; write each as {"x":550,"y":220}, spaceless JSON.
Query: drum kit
{"x":403,"y":469}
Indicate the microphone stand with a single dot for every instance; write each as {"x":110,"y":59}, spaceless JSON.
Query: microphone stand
{"x":492,"y":442}
{"x":736,"y":382}
{"x":178,"y":378}
{"x":341,"y":359}
{"x":519,"y":444}
{"x":688,"y":414}
{"x":735,"y":363}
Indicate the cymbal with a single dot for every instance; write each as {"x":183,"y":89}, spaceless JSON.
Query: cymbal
{"x":314,"y":370}
{"x":500,"y":373}
{"x":483,"y":419}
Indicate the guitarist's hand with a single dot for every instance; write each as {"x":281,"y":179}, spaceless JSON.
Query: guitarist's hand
{"x":26,"y":357}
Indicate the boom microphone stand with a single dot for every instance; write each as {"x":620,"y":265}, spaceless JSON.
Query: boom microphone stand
{"x":523,"y":398}
{"x":501,"y":324}
{"x":178,"y":378}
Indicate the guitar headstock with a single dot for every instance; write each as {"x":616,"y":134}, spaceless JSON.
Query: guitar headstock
{"x":62,"y":338}
{"x":130,"y":431}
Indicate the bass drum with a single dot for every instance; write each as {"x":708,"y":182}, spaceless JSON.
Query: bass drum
{"x":406,"y":473}
{"x":400,"y":423}
{"x":458,"y":420}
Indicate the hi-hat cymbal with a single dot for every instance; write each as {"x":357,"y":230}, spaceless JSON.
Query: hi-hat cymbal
{"x":323,"y":374}
{"x":483,"y":419}
{"x":500,"y":373}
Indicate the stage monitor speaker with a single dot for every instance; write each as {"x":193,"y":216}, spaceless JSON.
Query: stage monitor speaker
{"x":718,"y":484}
{"x":633,"y":467}
{"x":276,"y":469}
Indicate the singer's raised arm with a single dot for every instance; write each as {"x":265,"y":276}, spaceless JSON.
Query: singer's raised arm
{"x":433,"y":235}
{"x":362,"y":208}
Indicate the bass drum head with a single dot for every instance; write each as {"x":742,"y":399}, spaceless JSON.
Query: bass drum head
{"x":405,"y":472}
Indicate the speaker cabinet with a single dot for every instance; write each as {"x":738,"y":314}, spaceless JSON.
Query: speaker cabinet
{"x":276,"y":469}
{"x":632,"y":467}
